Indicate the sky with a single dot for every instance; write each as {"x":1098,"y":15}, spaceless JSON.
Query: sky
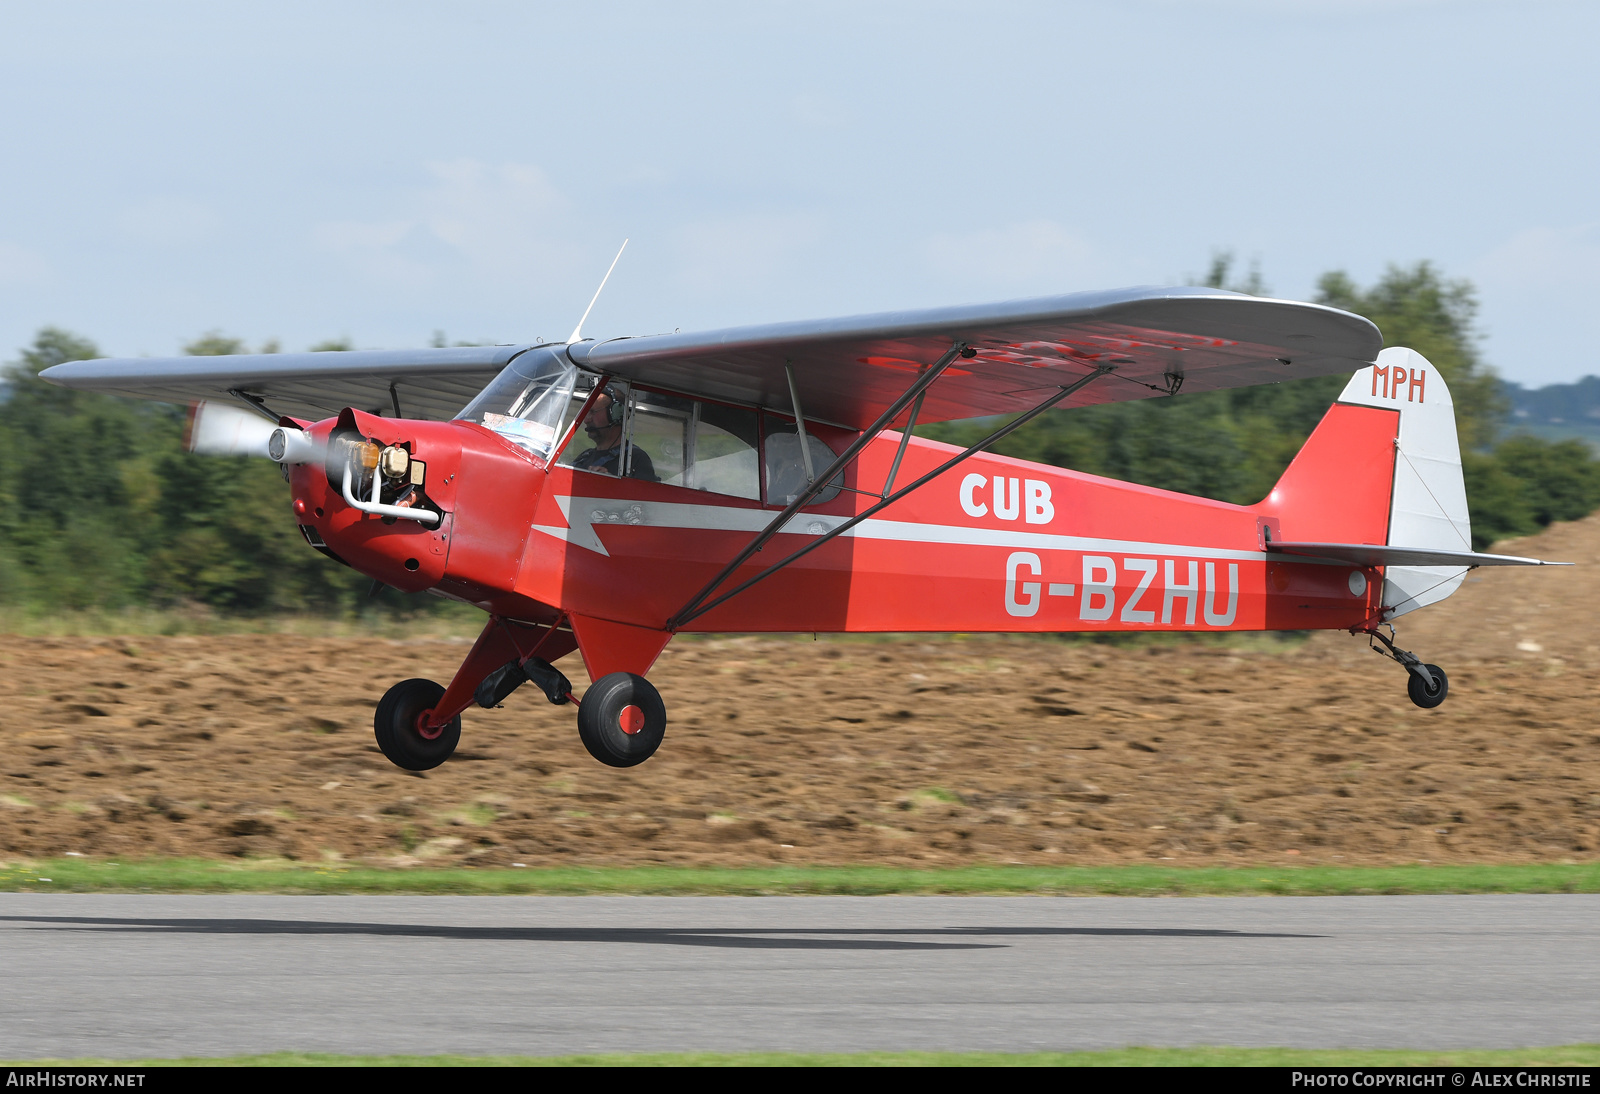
{"x":379,"y":172}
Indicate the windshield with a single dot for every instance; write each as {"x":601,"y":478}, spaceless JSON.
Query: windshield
{"x":526,"y":403}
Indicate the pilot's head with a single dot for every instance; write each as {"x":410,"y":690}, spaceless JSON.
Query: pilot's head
{"x":603,"y":423}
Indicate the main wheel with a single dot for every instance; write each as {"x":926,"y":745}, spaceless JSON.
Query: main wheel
{"x":622,"y":719}
{"x":1425,"y":697}
{"x":401,"y":728}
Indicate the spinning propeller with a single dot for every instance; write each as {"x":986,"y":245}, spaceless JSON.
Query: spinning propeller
{"x":218,"y":429}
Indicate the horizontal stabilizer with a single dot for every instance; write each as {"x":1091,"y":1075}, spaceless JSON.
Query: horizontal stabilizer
{"x":1378,"y":554}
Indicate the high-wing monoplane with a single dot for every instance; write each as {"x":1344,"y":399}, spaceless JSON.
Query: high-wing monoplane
{"x":602,"y":496}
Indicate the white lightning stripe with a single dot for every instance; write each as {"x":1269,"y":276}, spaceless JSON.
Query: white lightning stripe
{"x":580,"y":534}
{"x":907,"y":532}
{"x":584,"y":513}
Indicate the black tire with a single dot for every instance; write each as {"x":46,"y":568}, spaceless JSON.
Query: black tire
{"x":395,"y":726}
{"x":602,"y":713}
{"x":1425,"y":697}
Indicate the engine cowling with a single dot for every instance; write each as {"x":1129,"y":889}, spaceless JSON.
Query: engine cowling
{"x":474,"y":492}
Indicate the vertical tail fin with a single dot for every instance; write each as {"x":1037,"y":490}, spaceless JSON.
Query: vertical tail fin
{"x":1383,"y":466}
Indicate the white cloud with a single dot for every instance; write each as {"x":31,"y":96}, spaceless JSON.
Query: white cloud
{"x":351,"y":236}
{"x":1034,"y":256}
{"x":1322,"y":7}
{"x":736,"y":254}
{"x":374,"y":249}
{"x":473,"y":221}
{"x":818,"y":111}
{"x":169,"y":222}
{"x":1546,"y":259}
{"x":493,"y":215}
{"x":1538,"y":289}
{"x":20,"y":266}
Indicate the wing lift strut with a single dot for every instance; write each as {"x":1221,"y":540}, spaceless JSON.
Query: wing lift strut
{"x":702,"y":601}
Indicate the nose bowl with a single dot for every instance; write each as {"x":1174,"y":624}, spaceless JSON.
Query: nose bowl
{"x":484,"y":489}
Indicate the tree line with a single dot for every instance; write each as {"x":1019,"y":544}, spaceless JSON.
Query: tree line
{"x":105,"y":510}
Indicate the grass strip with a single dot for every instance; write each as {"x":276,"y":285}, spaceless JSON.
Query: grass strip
{"x":1203,"y":1056}
{"x":176,"y":875}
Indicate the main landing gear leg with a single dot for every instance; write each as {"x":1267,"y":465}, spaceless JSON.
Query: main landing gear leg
{"x":418,"y":722}
{"x":1428,"y":685}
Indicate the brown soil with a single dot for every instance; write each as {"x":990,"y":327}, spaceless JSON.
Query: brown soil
{"x":908,"y":750}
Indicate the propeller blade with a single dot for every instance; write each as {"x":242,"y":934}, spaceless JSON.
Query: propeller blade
{"x":221,"y":429}
{"x":218,"y":429}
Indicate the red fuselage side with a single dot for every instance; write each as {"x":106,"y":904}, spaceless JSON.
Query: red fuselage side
{"x":995,"y":544}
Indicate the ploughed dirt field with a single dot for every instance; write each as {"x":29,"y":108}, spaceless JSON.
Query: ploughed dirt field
{"x":906,"y":750}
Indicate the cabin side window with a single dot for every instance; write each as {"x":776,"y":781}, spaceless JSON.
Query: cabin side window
{"x":722,"y":457}
{"x":599,"y":440}
{"x":668,"y":439}
{"x":656,"y":431}
{"x":702,"y":446}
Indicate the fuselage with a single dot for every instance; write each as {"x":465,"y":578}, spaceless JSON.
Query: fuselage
{"x":995,"y":544}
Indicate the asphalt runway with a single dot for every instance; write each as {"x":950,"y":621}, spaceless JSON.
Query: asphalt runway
{"x":122,"y":976}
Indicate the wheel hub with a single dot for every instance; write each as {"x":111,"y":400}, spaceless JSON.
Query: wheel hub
{"x":631,"y":720}
{"x":426,"y":730}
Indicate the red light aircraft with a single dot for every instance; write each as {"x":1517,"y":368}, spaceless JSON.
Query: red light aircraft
{"x":601,"y":496}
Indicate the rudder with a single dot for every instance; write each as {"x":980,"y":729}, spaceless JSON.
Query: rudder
{"x":1428,"y":506}
{"x":1383,"y":466}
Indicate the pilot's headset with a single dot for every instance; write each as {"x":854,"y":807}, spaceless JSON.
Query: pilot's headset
{"x":614,"y":413}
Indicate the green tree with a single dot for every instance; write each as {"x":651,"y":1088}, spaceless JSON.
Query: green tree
{"x":1527,"y":483}
{"x":227,"y":537}
{"x":1415,"y":307}
{"x":75,"y":473}
{"x":107,"y":509}
{"x":213,"y":343}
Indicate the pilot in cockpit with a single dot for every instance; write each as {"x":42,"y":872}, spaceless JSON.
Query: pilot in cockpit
{"x":603,"y":424}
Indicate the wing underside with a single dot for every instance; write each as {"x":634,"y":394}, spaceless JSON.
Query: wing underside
{"x":1155,"y":341}
{"x":427,"y":383}
{"x":1149,"y":342}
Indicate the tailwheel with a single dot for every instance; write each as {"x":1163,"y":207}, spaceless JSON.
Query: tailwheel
{"x":622,"y":719}
{"x":1426,"y":684}
{"x":402,"y":729}
{"x":1428,"y":694}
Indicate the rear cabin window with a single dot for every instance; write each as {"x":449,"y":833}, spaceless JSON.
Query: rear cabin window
{"x":785,"y":466}
{"x":722,"y":452}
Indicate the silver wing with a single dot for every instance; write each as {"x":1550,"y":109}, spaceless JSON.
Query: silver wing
{"x":1160,"y":341}
{"x":427,"y":383}
{"x":1156,"y":341}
